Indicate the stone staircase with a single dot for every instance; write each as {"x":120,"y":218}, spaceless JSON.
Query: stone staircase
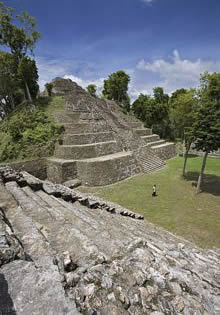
{"x":64,"y":252}
{"x":94,"y":157}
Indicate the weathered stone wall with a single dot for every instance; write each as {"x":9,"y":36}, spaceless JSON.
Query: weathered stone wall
{"x":59,"y":171}
{"x":165,"y":152}
{"x":102,"y":172}
{"x":37,"y":168}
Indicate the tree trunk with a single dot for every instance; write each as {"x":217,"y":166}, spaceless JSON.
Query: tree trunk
{"x":28,"y":91}
{"x":200,"y":180}
{"x":32,"y":106}
{"x":185,"y":158}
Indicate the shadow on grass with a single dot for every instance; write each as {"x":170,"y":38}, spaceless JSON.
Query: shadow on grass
{"x":190,"y":156}
{"x":211,"y":183}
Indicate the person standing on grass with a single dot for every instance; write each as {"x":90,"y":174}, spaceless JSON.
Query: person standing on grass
{"x":154,"y":193}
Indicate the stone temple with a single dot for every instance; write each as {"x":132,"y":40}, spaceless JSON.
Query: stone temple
{"x":101,"y":145}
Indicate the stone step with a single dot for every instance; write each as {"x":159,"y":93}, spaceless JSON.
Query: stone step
{"x":60,"y":170}
{"x":162,"y":145}
{"x":63,"y":117}
{"x":150,"y":138}
{"x":143,"y":131}
{"x":108,"y":169}
{"x":155,"y":143}
{"x":87,"y":138}
{"x":84,"y":127}
{"x":81,"y":127}
{"x":79,"y":152}
{"x":165,"y":150}
{"x":135,"y":124}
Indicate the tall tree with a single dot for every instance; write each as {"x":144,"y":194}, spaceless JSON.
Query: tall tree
{"x":139,"y":107}
{"x":206,"y":128}
{"x":182,"y":108}
{"x":181,"y":111}
{"x":91,"y":88}
{"x":20,"y":40}
{"x":116,"y":88}
{"x":153,"y":111}
{"x":161,"y":123}
{"x":8,"y":82}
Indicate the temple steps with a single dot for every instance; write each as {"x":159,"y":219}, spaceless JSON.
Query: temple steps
{"x":154,"y":143}
{"x":78,"y":152}
{"x":143,"y":131}
{"x":82,"y":127}
{"x":87,"y":138}
{"x":150,"y":138}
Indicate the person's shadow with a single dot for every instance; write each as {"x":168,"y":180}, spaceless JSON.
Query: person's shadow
{"x":6,"y":303}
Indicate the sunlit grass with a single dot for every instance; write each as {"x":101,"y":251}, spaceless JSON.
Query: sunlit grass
{"x":177,"y":208}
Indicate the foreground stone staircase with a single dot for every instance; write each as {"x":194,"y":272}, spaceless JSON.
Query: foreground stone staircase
{"x":67,"y":253}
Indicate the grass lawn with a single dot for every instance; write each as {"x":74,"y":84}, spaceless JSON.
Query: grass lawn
{"x":176,"y":208}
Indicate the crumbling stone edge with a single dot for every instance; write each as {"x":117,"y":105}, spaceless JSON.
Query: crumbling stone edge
{"x":23,"y":179}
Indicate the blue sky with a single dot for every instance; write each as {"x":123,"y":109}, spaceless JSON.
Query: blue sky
{"x":164,"y":43}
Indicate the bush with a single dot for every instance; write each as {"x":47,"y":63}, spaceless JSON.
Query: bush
{"x":31,"y":134}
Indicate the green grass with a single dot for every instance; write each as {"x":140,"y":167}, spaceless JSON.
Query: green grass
{"x":176,"y":208}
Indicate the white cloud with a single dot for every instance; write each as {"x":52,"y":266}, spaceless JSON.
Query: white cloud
{"x":49,"y":69}
{"x":172,"y":74}
{"x":147,"y":1}
{"x":84,"y":83}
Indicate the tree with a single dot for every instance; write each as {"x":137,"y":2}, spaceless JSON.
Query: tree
{"x":161,"y":123}
{"x":159,"y":96}
{"x":20,"y":40}
{"x":153,"y":111}
{"x":9,"y":83}
{"x":181,"y":110}
{"x":116,"y":88}
{"x":91,"y":88}
{"x":188,"y":140}
{"x":27,"y":72}
{"x":206,"y":129}
{"x":139,"y":107}
{"x":49,"y":87}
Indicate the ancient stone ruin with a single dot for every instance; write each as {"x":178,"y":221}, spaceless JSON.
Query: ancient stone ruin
{"x":63,"y":252}
{"x":101,"y":145}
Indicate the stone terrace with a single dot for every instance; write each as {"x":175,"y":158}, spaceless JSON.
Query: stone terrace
{"x":101,"y":145}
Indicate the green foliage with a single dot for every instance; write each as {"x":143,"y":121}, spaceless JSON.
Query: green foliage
{"x":91,"y":88}
{"x":20,"y":41}
{"x":27,"y":72}
{"x":49,"y":87}
{"x":182,"y":108}
{"x":29,"y":134}
{"x":153,"y":111}
{"x":9,"y":83}
{"x":116,"y":88}
{"x":206,"y":128}
{"x":210,"y":87}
